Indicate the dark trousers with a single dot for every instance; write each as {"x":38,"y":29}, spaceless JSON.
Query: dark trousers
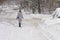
{"x":58,"y":17}
{"x":19,"y":24}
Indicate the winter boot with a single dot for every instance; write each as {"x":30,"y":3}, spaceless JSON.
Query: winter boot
{"x":19,"y":24}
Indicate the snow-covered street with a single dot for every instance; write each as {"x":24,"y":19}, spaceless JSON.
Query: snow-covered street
{"x":9,"y":32}
{"x":31,"y":30}
{"x":34,"y":26}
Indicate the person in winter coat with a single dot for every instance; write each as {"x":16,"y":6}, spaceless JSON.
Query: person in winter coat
{"x":19,"y":17}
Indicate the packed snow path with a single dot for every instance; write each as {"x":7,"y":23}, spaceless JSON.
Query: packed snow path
{"x":9,"y":32}
{"x":30,"y":30}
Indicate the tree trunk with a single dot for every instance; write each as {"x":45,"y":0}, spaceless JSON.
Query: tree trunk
{"x":1,"y":1}
{"x":39,"y":10}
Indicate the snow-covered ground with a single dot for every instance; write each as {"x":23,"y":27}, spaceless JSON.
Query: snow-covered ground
{"x":9,"y":32}
{"x":34,"y":26}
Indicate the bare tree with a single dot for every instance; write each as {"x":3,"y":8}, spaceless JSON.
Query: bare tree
{"x":39,"y":10}
{"x":2,"y":1}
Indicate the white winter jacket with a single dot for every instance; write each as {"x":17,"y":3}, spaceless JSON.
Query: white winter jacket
{"x":19,"y":17}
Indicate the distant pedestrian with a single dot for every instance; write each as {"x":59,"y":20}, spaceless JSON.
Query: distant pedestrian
{"x":19,"y":17}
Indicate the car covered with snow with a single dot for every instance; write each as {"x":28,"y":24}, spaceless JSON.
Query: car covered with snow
{"x":55,"y":18}
{"x":56,"y":13}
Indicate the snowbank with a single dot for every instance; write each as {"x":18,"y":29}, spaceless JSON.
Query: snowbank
{"x":9,"y":11}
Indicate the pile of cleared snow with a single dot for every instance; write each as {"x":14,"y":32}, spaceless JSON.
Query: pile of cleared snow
{"x":9,"y":11}
{"x":52,"y":21}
